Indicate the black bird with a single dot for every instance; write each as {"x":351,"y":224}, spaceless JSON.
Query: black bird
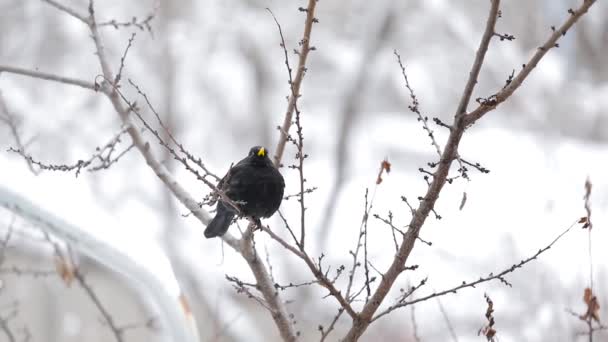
{"x":256,"y":187}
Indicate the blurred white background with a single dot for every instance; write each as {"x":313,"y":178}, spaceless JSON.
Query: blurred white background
{"x":215,"y":72}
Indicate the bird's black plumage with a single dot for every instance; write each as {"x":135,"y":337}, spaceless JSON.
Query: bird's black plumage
{"x":254,"y":184}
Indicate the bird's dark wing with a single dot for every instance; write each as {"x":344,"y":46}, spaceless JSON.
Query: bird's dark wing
{"x":225,"y":181}
{"x":234,"y":181}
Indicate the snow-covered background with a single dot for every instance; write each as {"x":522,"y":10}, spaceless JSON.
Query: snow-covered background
{"x":214,"y":69}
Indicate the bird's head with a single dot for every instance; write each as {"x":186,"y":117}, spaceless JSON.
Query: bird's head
{"x":259,"y":154}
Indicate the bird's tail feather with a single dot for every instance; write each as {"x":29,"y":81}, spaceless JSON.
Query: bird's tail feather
{"x":220,"y":223}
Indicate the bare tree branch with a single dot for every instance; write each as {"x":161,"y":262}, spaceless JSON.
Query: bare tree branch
{"x":479,"y":58}
{"x":317,"y":271}
{"x":426,"y":206}
{"x":414,"y":324}
{"x":490,"y":277}
{"x":143,"y":25}
{"x":4,"y":320}
{"x":47,"y":76}
{"x":414,"y":107}
{"x":12,"y":121}
{"x":18,"y":271}
{"x":461,"y":122}
{"x":516,"y":82}
{"x":325,"y":332}
{"x":305,"y":48}
{"x":107,"y":317}
{"x":447,"y":320}
{"x":67,"y":10}
{"x":102,"y":159}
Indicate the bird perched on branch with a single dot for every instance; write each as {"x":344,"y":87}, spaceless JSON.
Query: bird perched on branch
{"x":255,"y":187}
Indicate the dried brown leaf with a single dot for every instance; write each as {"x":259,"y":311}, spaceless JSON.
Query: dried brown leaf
{"x":593,"y":307}
{"x":384,"y":166}
{"x":64,"y":270}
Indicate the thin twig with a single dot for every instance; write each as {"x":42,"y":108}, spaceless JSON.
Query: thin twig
{"x":389,"y":222}
{"x":414,"y":107}
{"x":109,"y":320}
{"x":6,"y":239}
{"x":67,"y":10}
{"x":499,"y":276}
{"x":242,"y":287}
{"x":316,"y":270}
{"x":122,"y":60}
{"x":300,"y":155}
{"x":305,"y":48}
{"x":103,"y":156}
{"x":365,"y":258}
{"x":10,"y":335}
{"x":446,"y":318}
{"x":516,"y":82}
{"x":69,"y":262}
{"x":143,"y":25}
{"x":330,"y":328}
{"x":589,"y":226}
{"x":283,"y":243}
{"x":12,"y":121}
{"x":17,"y":271}
{"x":414,"y":324}
{"x":47,"y":76}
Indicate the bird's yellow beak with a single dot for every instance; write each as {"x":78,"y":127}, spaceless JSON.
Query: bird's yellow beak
{"x":261,"y":152}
